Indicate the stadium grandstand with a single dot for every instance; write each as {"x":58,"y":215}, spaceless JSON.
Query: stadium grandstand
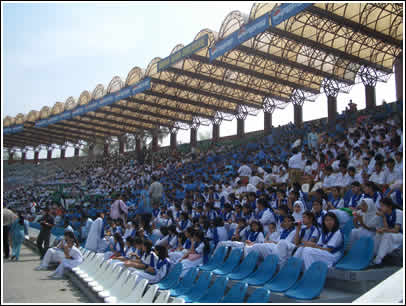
{"x":306,"y":211}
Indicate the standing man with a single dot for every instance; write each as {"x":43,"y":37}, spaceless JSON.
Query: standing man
{"x":47,"y":222}
{"x":155,"y":192}
{"x":119,"y":209}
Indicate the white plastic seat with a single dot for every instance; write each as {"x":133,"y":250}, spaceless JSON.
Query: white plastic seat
{"x":85,"y":265}
{"x":107,"y":282}
{"x":316,"y":186}
{"x":137,"y":293}
{"x":150,"y":294}
{"x":92,"y":268}
{"x":163,"y":297}
{"x":101,"y":272}
{"x":178,"y":300}
{"x":99,"y":266}
{"x":118,"y":286}
{"x":124,"y":292}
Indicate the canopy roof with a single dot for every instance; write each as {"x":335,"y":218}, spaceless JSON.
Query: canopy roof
{"x":332,"y":41}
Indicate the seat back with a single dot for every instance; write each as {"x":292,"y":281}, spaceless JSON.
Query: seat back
{"x":260,"y":295}
{"x":163,"y":297}
{"x":312,"y":282}
{"x":127,"y":287}
{"x":136,"y":295}
{"x":265,"y":271}
{"x":94,"y":266}
{"x":359,"y":256}
{"x":218,"y":256}
{"x":232,"y":260}
{"x":172,"y":278}
{"x":189,"y":278}
{"x":109,"y":281}
{"x":287,"y":276}
{"x":200,"y":286}
{"x":120,"y":284}
{"x":216,"y":291}
{"x":346,"y":231}
{"x":248,"y":264}
{"x":236,"y":293}
{"x":102,"y":271}
{"x":149,"y":296}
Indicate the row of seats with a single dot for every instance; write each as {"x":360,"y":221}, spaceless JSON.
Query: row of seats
{"x":116,"y":286}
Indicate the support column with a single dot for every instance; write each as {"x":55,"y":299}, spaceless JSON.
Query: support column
{"x":193,"y":137}
{"x":267,"y":123}
{"x":138,"y":146}
{"x":63,"y":153}
{"x":370,"y":96}
{"x":106,"y":149}
{"x":77,"y":152}
{"x":331,"y":90}
{"x":216,"y":132}
{"x":399,"y":77}
{"x":36,"y":156}
{"x":91,"y":150}
{"x":121,"y":145}
{"x":49,"y":154}
{"x":10,"y":157}
{"x":23,"y":156}
{"x":155,"y":142}
{"x":240,"y":128}
{"x":298,"y":115}
{"x":173,"y":141}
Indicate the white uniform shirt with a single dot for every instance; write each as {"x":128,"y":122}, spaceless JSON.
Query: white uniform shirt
{"x":244,"y":170}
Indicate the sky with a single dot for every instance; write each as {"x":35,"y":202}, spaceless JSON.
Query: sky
{"x":51,"y":51}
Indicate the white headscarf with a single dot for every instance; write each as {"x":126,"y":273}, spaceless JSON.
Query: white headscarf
{"x":298,"y":216}
{"x":369,"y":217}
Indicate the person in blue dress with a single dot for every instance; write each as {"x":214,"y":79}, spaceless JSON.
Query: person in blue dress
{"x":17,"y":237}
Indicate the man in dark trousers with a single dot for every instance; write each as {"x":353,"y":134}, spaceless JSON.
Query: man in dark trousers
{"x":47,"y":222}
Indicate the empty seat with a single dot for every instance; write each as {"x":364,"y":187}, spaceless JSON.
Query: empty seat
{"x":115,"y":289}
{"x":359,"y":256}
{"x":264,"y":272}
{"x":287,"y":276}
{"x":149,"y":296}
{"x":216,"y":292}
{"x":93,"y":266}
{"x":260,"y":295}
{"x":236,"y":293}
{"x":163,"y":297}
{"x":107,"y":282}
{"x":86,"y":264}
{"x":121,"y":292}
{"x":172,"y":278}
{"x":230,"y":263}
{"x":95,"y":274}
{"x":199,"y":288}
{"x":136,"y":295}
{"x":246,"y":268}
{"x":311,"y":284}
{"x":185,"y":283}
{"x":216,"y":260}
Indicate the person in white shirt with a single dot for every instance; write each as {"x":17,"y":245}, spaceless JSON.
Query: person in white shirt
{"x":356,"y":160}
{"x":329,"y":178}
{"x":244,"y":170}
{"x":73,"y":257}
{"x":399,"y":162}
{"x":379,"y":175}
{"x":263,"y":214}
{"x":389,"y":237}
{"x":392,"y":175}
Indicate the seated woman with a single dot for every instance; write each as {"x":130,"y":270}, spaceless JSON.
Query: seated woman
{"x":319,"y":213}
{"x":305,"y":232}
{"x":269,"y":247}
{"x":54,"y":255}
{"x":336,"y":201}
{"x":129,"y":248}
{"x":142,"y":262}
{"x":217,"y":232}
{"x":184,"y":245}
{"x":73,"y":257}
{"x":389,"y":237}
{"x":329,"y":248}
{"x":365,"y":220}
{"x":116,"y":248}
{"x":158,"y":266}
{"x":198,"y":253}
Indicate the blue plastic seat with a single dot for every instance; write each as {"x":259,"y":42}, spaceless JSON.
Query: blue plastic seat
{"x":216,"y":260}
{"x":347,"y":197}
{"x":216,"y":292}
{"x":199,"y":288}
{"x":246,"y":268}
{"x":287,"y":276}
{"x":185,"y":283}
{"x":236,"y":293}
{"x":264,"y":272}
{"x":231,"y":262}
{"x":346,"y":231}
{"x":311,"y":284}
{"x":260,"y":295}
{"x":172,"y":278}
{"x":359,"y":256}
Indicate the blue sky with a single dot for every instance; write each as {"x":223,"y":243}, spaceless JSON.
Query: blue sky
{"x":52,"y":51}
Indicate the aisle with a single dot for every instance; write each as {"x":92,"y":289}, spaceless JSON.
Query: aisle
{"x":22,"y":284}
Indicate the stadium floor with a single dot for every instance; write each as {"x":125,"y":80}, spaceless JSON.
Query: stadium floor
{"x":22,"y":284}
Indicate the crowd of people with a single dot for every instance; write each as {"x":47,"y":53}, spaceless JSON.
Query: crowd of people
{"x":289,"y":197}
